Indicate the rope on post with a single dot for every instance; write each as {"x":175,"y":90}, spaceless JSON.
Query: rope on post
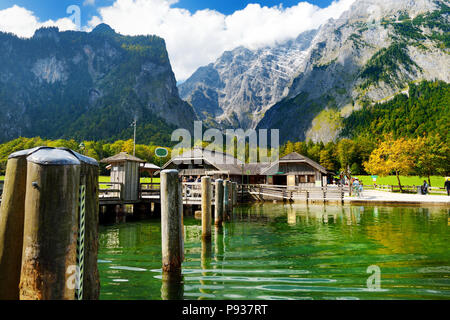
{"x":80,"y":243}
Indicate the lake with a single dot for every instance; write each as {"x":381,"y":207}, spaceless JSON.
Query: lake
{"x":275,"y":251}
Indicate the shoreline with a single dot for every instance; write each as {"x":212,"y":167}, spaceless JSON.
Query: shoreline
{"x":388,"y":198}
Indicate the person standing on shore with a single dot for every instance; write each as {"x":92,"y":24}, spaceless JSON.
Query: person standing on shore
{"x":425,"y":187}
{"x":447,"y":186}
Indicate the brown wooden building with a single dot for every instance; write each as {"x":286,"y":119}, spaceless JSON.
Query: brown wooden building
{"x":200,"y":162}
{"x":297,"y":170}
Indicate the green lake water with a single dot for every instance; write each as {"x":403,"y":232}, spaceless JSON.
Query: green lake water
{"x":285,"y":252}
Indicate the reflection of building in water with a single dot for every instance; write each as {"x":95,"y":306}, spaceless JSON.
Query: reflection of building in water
{"x":291,"y":216}
{"x":192,"y":233}
{"x":110,"y":239}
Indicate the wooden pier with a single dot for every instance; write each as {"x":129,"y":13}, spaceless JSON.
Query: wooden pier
{"x":332,"y":193}
{"x":111,"y":193}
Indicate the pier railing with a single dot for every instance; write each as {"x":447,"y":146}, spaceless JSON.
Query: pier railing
{"x":192,"y":192}
{"x":149,"y":189}
{"x":110,"y":190}
{"x":294,"y":193}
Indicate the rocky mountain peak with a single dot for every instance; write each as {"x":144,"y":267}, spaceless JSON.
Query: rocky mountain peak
{"x":238,"y":88}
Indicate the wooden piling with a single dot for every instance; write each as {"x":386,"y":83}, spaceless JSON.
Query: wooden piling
{"x":11,"y":226}
{"x":50,"y":226}
{"x":218,"y":203}
{"x":231,"y":200}
{"x":226,"y":196}
{"x":171,"y":224}
{"x":206,"y":207}
{"x":235,"y":193}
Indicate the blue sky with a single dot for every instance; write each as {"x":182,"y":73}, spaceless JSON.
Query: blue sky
{"x":55,"y":9}
{"x":196,"y":32}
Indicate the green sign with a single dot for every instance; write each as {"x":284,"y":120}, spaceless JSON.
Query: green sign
{"x":161,"y":152}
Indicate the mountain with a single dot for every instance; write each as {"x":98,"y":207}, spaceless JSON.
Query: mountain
{"x":367,"y":56}
{"x":88,"y":86}
{"x":242,"y":84}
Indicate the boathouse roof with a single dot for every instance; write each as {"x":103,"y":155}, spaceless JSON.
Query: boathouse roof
{"x":223,"y":162}
{"x":293,"y":157}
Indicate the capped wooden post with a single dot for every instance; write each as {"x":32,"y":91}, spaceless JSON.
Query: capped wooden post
{"x":12,"y":213}
{"x":206,"y":207}
{"x":49,"y":258}
{"x":218,"y":203}
{"x":171,"y":224}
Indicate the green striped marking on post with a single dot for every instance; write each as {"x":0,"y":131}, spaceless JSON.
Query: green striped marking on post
{"x":80,"y":243}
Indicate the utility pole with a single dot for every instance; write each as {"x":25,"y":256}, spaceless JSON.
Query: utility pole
{"x":134,"y":139}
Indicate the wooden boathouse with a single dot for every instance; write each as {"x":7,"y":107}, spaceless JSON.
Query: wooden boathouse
{"x":297,"y":170}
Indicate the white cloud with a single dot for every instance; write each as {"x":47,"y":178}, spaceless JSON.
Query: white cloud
{"x":89,"y":3}
{"x":196,"y":39}
{"x":24,"y":23}
{"x":193,"y":39}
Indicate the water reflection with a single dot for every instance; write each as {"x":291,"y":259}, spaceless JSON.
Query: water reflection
{"x":172,"y":286}
{"x":291,"y":216}
{"x":291,"y":251}
{"x":205,"y":265}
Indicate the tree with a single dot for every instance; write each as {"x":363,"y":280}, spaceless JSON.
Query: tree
{"x":432,"y":156}
{"x":392,"y":156}
{"x":289,"y":148}
{"x":326,"y":160}
{"x":300,"y":147}
{"x":347,"y":153}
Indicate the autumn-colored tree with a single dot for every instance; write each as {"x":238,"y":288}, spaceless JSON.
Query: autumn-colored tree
{"x":300,"y":147}
{"x":392,"y":156}
{"x":289,"y":148}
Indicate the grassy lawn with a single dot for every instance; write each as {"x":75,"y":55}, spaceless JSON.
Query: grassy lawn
{"x":436,"y":181}
{"x":2,"y":178}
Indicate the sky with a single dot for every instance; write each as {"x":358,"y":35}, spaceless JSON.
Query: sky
{"x":196,"y":32}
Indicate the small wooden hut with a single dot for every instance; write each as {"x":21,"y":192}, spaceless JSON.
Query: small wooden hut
{"x":125,"y":170}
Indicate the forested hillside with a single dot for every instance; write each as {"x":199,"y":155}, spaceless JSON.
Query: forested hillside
{"x":424,"y":111}
{"x":88,"y":86}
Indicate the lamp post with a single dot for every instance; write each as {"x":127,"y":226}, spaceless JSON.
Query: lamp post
{"x":82,"y":148}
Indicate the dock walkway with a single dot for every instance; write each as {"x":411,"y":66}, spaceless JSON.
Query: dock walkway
{"x":375,"y":196}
